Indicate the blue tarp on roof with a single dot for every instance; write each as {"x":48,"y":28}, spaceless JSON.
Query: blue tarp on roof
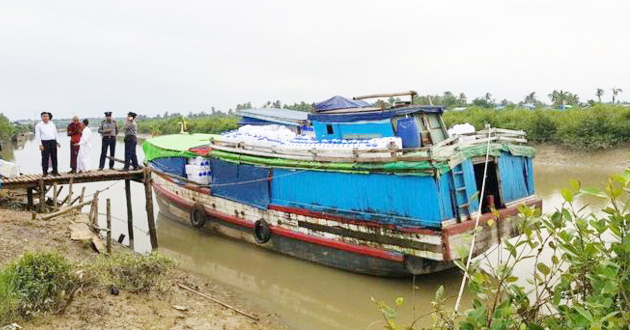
{"x":374,"y":115}
{"x":338,"y":102}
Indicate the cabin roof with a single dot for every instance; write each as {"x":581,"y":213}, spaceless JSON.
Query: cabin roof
{"x":275,"y":115}
{"x":339,"y":102}
{"x":374,"y":114}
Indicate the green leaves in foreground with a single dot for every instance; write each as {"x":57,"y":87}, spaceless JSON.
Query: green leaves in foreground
{"x":570,"y":269}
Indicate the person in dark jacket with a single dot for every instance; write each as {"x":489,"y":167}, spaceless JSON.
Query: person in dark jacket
{"x":131,"y":139}
{"x":74,"y":132}
{"x":108,"y":129}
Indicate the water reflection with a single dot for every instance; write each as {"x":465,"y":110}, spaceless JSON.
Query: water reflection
{"x":305,"y":294}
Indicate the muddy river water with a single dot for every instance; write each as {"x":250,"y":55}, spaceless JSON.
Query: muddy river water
{"x":303,"y":294}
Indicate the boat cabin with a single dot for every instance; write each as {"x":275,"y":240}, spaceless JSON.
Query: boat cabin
{"x":343,"y":119}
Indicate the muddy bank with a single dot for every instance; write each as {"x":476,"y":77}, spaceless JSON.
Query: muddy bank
{"x":555,"y":155}
{"x":96,"y":308}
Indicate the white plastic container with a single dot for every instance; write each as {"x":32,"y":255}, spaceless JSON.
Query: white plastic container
{"x":9,"y":170}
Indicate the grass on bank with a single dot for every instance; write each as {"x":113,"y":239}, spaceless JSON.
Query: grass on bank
{"x":598,"y":127}
{"x":44,"y":282}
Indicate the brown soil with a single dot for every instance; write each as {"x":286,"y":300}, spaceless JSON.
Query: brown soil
{"x":96,"y":308}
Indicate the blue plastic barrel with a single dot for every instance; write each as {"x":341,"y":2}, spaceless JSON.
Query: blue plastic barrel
{"x":409,"y":133}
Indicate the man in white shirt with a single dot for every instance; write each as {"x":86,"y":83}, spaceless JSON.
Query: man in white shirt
{"x":46,"y":136}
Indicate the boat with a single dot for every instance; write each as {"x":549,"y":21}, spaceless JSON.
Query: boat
{"x":376,"y":190}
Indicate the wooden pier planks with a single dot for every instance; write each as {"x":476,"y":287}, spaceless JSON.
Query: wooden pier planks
{"x":32,"y":180}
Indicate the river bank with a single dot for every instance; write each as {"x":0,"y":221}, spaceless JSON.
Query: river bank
{"x":94,"y":307}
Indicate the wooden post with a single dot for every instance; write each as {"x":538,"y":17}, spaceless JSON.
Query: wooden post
{"x":29,"y":197}
{"x":109,"y":227}
{"x":148,"y":191}
{"x":129,"y":213}
{"x":70,"y":191}
{"x":82,"y":195}
{"x":94,"y":211}
{"x":42,"y":196}
{"x":55,"y":192}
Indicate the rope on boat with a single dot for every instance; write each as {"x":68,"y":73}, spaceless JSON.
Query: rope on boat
{"x":474,"y":237}
{"x":181,"y":178}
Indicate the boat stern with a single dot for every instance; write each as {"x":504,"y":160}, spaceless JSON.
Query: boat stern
{"x":494,"y":228}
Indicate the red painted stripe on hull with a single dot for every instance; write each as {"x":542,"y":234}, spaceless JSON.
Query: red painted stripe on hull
{"x":181,"y":202}
{"x":364,"y":250}
{"x":470,"y":224}
{"x":365,"y":223}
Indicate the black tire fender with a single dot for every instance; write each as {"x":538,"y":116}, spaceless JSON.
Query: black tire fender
{"x":198,"y":215}
{"x":262,"y":231}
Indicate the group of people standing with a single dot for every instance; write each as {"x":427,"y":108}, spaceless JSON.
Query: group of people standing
{"x":81,"y":142}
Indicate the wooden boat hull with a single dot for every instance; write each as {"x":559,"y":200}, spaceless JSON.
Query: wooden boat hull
{"x":356,"y":246}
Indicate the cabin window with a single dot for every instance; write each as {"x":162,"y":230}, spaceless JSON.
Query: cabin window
{"x":329,"y":129}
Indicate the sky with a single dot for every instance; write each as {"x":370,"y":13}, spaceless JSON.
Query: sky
{"x":87,"y":57}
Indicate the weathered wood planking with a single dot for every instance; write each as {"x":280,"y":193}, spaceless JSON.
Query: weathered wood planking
{"x":32,"y":180}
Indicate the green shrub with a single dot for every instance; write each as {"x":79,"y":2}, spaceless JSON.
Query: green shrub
{"x":36,"y":282}
{"x":131,"y":271}
{"x":580,"y":270}
{"x":203,"y":124}
{"x":597,"y":127}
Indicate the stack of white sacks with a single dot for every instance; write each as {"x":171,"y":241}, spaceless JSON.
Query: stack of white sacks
{"x":198,"y":170}
{"x":282,"y":139}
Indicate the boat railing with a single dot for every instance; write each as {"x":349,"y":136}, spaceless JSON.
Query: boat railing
{"x":497,"y":135}
{"x":390,"y":154}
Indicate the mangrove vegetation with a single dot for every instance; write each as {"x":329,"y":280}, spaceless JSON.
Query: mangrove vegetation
{"x":569,"y":270}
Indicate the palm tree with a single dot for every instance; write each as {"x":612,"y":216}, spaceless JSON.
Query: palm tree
{"x":599,"y":94}
{"x":572,"y":99}
{"x":530,"y":98}
{"x":615,"y":91}
{"x":488,"y":98}
{"x":554,"y":97}
{"x":462,"y":99}
{"x":558,"y":97}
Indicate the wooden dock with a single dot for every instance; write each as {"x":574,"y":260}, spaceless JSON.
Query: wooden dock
{"x":33,"y":180}
{"x":37,"y":183}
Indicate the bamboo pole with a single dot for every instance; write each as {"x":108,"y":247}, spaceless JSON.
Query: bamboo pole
{"x":42,"y":196}
{"x":65,"y":210}
{"x":129,"y":213}
{"x":148,"y":192}
{"x":55,"y":195}
{"x":218,"y":301}
{"x":82,"y":195}
{"x":70,"y":191}
{"x":109,"y":227}
{"x":94,"y":211}
{"x":29,"y":197}
{"x":371,"y":96}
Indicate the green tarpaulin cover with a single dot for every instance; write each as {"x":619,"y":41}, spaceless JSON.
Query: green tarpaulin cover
{"x":418,"y":168}
{"x":174,"y":145}
{"x":179,"y":145}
